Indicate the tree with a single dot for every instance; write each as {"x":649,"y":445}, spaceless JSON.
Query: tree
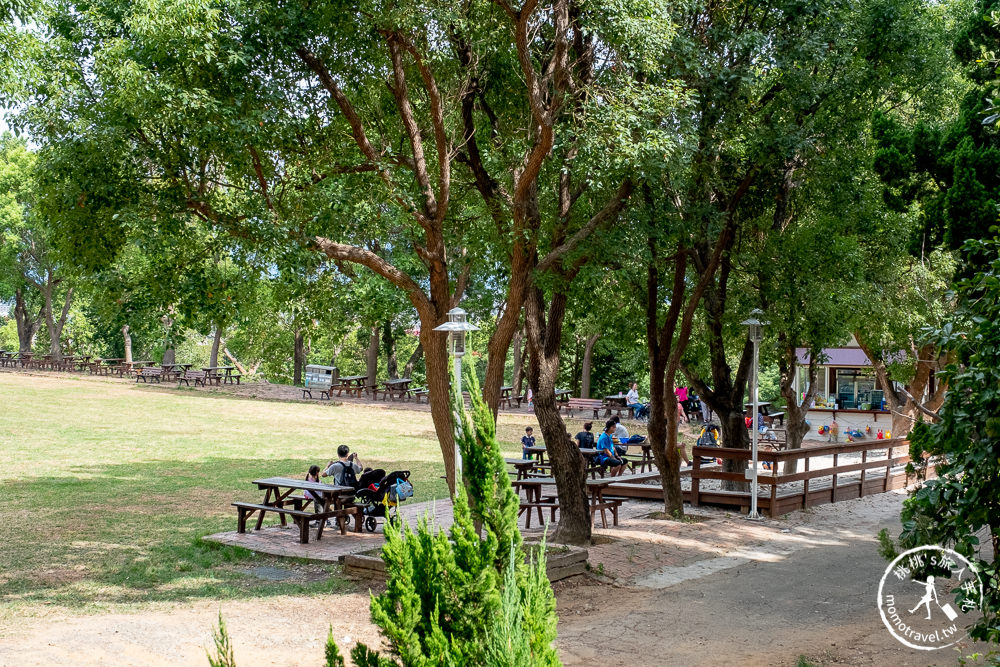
{"x":30,"y":271}
{"x":962,"y":505}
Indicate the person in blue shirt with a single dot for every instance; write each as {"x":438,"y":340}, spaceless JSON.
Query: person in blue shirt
{"x":527,"y":440}
{"x":606,"y":455}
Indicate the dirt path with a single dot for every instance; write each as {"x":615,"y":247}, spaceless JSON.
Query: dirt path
{"x":716,"y":592}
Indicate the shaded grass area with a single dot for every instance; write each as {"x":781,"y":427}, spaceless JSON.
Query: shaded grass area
{"x":108,"y":489}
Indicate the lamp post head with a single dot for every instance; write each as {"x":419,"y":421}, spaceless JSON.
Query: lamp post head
{"x":754,"y":324}
{"x":457,"y":326}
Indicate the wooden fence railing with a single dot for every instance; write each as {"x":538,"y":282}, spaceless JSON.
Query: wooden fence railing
{"x":826,"y":475}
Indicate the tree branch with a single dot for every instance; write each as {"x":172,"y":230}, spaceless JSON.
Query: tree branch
{"x":609,"y":212}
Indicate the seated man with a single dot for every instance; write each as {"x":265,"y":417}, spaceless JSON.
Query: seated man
{"x":607,"y":456}
{"x":585,"y":439}
{"x":346,"y":469}
{"x":622,"y":433}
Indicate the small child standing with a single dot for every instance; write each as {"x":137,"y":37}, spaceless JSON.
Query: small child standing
{"x":527,"y":441}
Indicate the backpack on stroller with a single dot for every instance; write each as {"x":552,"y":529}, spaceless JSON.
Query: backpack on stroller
{"x":381,"y":498}
{"x":643,"y":413}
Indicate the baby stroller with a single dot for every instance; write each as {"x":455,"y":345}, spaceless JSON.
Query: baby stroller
{"x":709,"y":437}
{"x":643,"y":413}
{"x":384,"y":496}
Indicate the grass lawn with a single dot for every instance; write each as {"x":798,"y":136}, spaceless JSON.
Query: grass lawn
{"x":107,"y":487}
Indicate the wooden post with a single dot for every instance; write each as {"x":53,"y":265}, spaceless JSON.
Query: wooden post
{"x":695,"y":486}
{"x":805,"y":486}
{"x":864,"y":459}
{"x":833,"y":489}
{"x":888,"y":470}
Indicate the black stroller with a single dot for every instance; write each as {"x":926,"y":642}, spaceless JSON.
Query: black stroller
{"x":381,"y":498}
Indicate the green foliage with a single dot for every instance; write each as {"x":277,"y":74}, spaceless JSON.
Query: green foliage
{"x":332,"y":652}
{"x":950,"y":168}
{"x":961,"y":507}
{"x":223,"y":647}
{"x":441,"y":586}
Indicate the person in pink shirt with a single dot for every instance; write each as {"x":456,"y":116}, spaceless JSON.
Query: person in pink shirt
{"x":682,"y":397}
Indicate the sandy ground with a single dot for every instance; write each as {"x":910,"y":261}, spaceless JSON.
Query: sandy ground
{"x":757,"y":594}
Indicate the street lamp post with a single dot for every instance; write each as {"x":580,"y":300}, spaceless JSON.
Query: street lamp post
{"x":754,"y":325}
{"x":456,"y":326}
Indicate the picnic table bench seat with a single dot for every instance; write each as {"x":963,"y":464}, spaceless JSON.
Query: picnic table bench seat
{"x":583,"y":405}
{"x":148,"y":374}
{"x":198,"y":377}
{"x":551,"y":505}
{"x":419,"y":392}
{"x":300,"y":516}
{"x":323,"y":393}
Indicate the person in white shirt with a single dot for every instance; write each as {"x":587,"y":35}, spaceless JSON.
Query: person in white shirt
{"x":632,"y":400}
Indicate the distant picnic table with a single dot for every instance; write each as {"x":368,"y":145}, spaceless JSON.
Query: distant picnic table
{"x":534,"y":500}
{"x":352,"y":384}
{"x":222,"y":374}
{"x":278,"y":494}
{"x":397,"y":388}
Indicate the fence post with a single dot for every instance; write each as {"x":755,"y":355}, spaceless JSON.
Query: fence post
{"x":695,"y":486}
{"x":833,"y":488}
{"x":864,"y":459}
{"x":805,"y":486}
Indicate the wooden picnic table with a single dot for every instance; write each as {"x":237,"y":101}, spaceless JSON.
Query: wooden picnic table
{"x":762,"y":406}
{"x":595,"y":487}
{"x":542,"y":449}
{"x":221,"y":374}
{"x":522,"y":467}
{"x":277,"y":491}
{"x":172,"y":371}
{"x":352,"y":384}
{"x":400,"y":387}
{"x":563,"y":395}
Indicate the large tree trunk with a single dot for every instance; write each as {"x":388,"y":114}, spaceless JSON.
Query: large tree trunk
{"x":795,"y":410}
{"x":298,"y":357}
{"x":128,"y":344}
{"x":439,"y":393}
{"x":507,"y":327}
{"x":27,"y":326}
{"x":371,"y":359}
{"x":588,"y":357}
{"x":520,"y":356}
{"x":544,"y":338}
{"x":726,"y":400}
{"x":412,"y":361}
{"x":169,"y":354}
{"x":55,"y":325}
{"x":213,"y":360}
{"x":389,"y":345}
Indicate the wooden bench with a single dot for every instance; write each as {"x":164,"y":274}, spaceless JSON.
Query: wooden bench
{"x":551,"y":505}
{"x":419,"y":393}
{"x":351,"y":389}
{"x":610,"y":503}
{"x":584,"y":405}
{"x":199,"y":377}
{"x":323,"y":393}
{"x":148,"y":374}
{"x":392,"y":392}
{"x":245,"y":510}
{"x":233,"y":376}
